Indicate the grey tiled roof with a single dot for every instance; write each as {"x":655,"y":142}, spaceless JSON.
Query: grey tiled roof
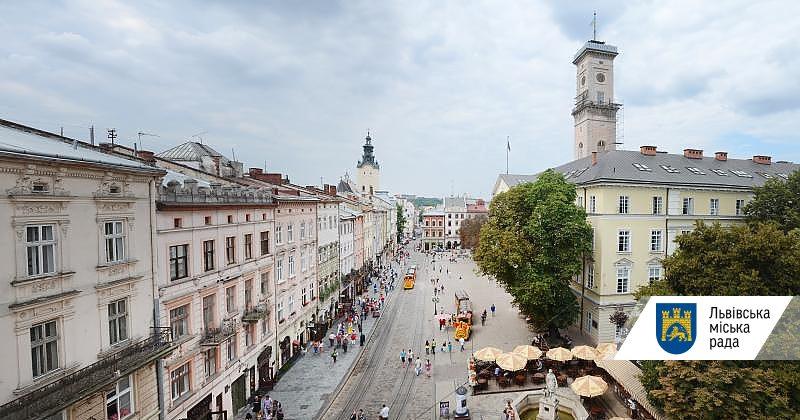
{"x":620,"y":166}
{"x":455,"y":204}
{"x":190,"y":152}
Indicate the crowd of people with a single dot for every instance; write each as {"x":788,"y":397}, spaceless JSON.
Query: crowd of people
{"x":265,"y":408}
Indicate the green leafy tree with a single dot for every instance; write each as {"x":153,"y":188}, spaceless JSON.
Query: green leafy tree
{"x":470,"y":231}
{"x":533,"y":243}
{"x":401,"y":222}
{"x":757,"y":259}
{"x":777,"y":201}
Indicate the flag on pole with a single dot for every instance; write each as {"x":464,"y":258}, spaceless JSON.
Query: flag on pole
{"x":508,"y":144}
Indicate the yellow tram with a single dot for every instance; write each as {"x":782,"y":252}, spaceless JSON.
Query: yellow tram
{"x":410,"y":278}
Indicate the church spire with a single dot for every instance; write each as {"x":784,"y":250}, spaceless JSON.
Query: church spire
{"x":368,"y":158}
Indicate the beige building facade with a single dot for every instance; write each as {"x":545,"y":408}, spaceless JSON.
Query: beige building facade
{"x":76,"y":311}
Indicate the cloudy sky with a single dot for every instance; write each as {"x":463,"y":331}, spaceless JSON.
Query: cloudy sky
{"x":440,"y":84}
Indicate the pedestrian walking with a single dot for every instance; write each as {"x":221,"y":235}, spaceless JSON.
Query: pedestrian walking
{"x":428,"y":367}
{"x":384,"y":413}
{"x":444,"y":347}
{"x":331,"y":338}
{"x":403,"y":358}
{"x":449,"y":346}
{"x":493,"y":309}
{"x":417,"y":366}
{"x":427,"y":347}
{"x":410,"y":356}
{"x":433,"y":346}
{"x":344,"y":345}
{"x":461,"y":341}
{"x":321,"y":345}
{"x":362,"y":338}
{"x":333,"y":356}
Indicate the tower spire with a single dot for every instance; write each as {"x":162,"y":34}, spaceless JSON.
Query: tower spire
{"x":594,"y":26}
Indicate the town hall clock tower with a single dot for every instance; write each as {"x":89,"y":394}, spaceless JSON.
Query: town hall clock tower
{"x":595,"y":110}
{"x":368,"y":177}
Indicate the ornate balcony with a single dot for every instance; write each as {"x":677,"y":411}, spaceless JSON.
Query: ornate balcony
{"x":256,"y":313}
{"x":213,"y":337}
{"x":57,"y":395}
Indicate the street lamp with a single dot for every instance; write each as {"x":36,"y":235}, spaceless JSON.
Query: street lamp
{"x":435,"y":300}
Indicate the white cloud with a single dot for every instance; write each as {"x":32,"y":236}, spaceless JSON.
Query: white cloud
{"x":440,"y":84}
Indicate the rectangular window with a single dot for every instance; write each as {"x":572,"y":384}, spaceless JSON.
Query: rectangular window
{"x":289,"y":233}
{"x":247,"y":217}
{"x":623,"y":279}
{"x":592,"y":204}
{"x":624,"y":241}
{"x":688,"y":206}
{"x":588,"y":320}
{"x":248,"y":335}
{"x":179,"y":381}
{"x":264,"y":283}
{"x":115,"y":241}
{"x":291,"y":305}
{"x":207,"y":220}
{"x":248,"y":293}
{"x":658,"y":205}
{"x":265,"y":243}
{"x":302,"y":230}
{"x":230,"y":218}
{"x":303,"y":260}
{"x":208,"y":255}
{"x":601,"y":97}
{"x":44,"y":348}
{"x":248,"y":246}
{"x":590,"y":276}
{"x":178,"y":262}
{"x":655,"y":240}
{"x":278,"y":234}
{"x":280,"y":311}
{"x":624,"y":200}
{"x":291,"y":265}
{"x":179,"y":321}
{"x":40,"y":250}
{"x":118,"y":321}
{"x":580,"y":202}
{"x":230,"y":249}
{"x":208,"y":311}
{"x":653,"y":273}
{"x":304,"y":296}
{"x":739,"y":207}
{"x":119,"y":401}
{"x":230,"y":299}
{"x":230,"y":348}
{"x":279,"y":269}
{"x":177,"y":222}
{"x":210,"y":362}
{"x":713,"y":206}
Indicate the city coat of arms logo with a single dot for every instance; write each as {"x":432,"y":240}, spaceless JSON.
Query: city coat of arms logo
{"x":676,"y":326}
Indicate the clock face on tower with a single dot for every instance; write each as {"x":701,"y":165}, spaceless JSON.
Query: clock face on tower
{"x":600,"y":77}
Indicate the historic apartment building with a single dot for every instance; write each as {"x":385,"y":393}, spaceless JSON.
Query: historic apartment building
{"x":215,"y":260}
{"x":76,"y":310}
{"x":433,"y":228}
{"x":638,"y":202}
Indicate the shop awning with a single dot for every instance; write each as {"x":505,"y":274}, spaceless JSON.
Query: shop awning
{"x":627,"y":375}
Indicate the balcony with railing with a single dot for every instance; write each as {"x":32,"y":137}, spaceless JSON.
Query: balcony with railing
{"x":256,"y":313}
{"x":215,"y":336}
{"x":55,"y":396}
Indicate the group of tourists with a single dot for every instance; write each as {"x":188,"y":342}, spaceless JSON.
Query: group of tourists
{"x":265,"y":408}
{"x":430,"y":346}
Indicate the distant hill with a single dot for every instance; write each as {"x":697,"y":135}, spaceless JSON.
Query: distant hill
{"x":426,"y":201}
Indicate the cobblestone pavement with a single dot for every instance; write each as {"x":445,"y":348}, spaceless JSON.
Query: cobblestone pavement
{"x":377,"y":377}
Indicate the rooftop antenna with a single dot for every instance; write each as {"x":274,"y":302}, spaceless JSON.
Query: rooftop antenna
{"x":198,"y":136}
{"x":112,"y":135}
{"x":141,"y":133}
{"x":594,"y":26}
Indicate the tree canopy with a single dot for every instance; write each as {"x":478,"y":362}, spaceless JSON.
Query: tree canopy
{"x":533,"y":244}
{"x":469,"y":233}
{"x":777,"y":201}
{"x":401,"y":221}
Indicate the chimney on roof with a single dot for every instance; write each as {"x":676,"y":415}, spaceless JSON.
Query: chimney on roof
{"x":721,"y":156}
{"x":648,"y":150}
{"x":330,"y":189}
{"x":763,"y":160}
{"x":146,"y":156}
{"x":594,"y":158}
{"x":693,"y":153}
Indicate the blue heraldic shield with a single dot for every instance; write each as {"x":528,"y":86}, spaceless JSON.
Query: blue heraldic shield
{"x":676,"y":326}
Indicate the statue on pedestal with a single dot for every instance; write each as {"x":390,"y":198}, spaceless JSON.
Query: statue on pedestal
{"x":550,"y":384}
